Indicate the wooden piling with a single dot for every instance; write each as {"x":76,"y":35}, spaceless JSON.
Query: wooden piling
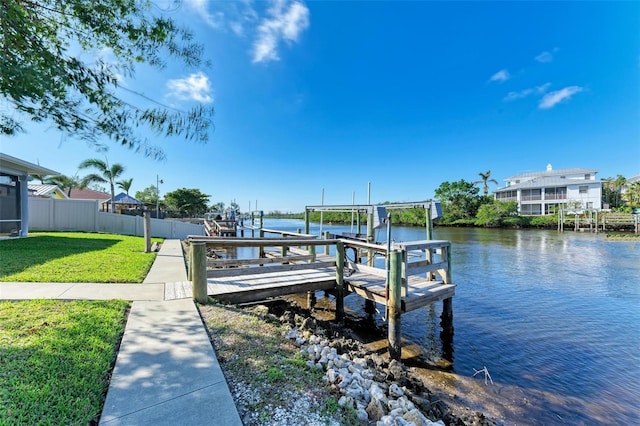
{"x":326,"y":247}
{"x":261,"y":249}
{"x":447,"y":304}
{"x":339,"y":281}
{"x":311,"y":299}
{"x":199,"y":267}
{"x":306,"y":221}
{"x":370,"y":238}
{"x":394,"y":304}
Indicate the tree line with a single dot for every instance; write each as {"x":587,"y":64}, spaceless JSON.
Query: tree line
{"x":464,"y":205}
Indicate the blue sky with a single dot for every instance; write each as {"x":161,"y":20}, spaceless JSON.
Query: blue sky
{"x":405,"y":95}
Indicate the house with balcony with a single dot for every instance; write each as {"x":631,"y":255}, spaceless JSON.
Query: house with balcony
{"x":541,"y":193}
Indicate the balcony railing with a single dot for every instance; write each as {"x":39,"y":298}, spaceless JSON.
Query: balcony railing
{"x":562,"y":196}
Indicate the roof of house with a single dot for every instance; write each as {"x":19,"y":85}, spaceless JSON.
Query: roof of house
{"x":558,"y":172}
{"x":15,"y":166}
{"x":123,"y":198}
{"x":547,"y":182}
{"x":45,"y":190}
{"x":88,"y":194}
{"x":632,"y":179}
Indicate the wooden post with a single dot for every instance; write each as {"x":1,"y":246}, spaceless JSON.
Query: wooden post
{"x":326,"y":247}
{"x":261,"y":248}
{"x":311,"y":295}
{"x":147,"y":231}
{"x":370,"y":237}
{"x":427,"y":214}
{"x":447,"y":304}
{"x":199,"y":258}
{"x":311,"y":299}
{"x":339,"y":281}
{"x":306,"y":221}
{"x":394,"y":304}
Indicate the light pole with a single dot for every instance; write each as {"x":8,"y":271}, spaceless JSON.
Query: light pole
{"x":158,"y":182}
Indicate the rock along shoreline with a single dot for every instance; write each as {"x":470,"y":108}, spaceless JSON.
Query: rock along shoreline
{"x":382,"y":392}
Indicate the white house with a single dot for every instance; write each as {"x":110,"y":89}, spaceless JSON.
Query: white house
{"x":539,"y":193}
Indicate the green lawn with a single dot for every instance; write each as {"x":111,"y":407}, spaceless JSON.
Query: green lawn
{"x":74,"y":257}
{"x":55,"y":359}
{"x":56,"y":356}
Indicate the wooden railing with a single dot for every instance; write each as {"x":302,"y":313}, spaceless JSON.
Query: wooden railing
{"x":434,"y":257}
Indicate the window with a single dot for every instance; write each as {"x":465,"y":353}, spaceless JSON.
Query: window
{"x":583,"y":189}
{"x":587,"y":176}
{"x":590,"y":205}
{"x":531,"y":209}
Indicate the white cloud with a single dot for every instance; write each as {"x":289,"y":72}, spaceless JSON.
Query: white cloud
{"x":544,"y":57}
{"x":538,"y":90}
{"x":215,"y":20}
{"x":285,"y":21}
{"x":551,"y":99}
{"x":501,"y":76}
{"x":195,"y":87}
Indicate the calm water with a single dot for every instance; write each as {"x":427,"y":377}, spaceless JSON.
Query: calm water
{"x":554,"y":317}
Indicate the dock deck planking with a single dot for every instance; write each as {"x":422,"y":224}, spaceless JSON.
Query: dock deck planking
{"x":250,"y":288}
{"x":420,"y":292}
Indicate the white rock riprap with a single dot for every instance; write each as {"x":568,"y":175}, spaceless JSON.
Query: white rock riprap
{"x":388,"y":405}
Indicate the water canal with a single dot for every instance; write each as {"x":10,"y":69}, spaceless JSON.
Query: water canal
{"x":554,"y":317}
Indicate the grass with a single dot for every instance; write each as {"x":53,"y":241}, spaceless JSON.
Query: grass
{"x":75,"y":257}
{"x":55,"y":357}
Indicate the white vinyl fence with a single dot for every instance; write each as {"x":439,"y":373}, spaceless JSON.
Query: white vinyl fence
{"x":49,"y":214}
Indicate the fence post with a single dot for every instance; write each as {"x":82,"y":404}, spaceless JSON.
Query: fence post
{"x":339,"y":281}
{"x":147,"y":231}
{"x":199,"y":274}
{"x":394,"y":307}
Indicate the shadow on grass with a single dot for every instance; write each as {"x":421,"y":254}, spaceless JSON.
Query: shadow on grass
{"x":22,"y":253}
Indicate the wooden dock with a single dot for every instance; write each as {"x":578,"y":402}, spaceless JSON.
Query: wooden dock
{"x":221,"y":228}
{"x":290,"y":264}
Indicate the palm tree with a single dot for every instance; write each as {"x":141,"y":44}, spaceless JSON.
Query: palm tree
{"x":65,"y":183}
{"x":484,"y":181}
{"x":125,"y":184}
{"x":612,"y":190}
{"x":108,"y":174}
{"x":633,"y":194}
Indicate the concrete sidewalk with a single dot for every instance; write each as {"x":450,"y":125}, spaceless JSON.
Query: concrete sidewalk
{"x":166,"y":371}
